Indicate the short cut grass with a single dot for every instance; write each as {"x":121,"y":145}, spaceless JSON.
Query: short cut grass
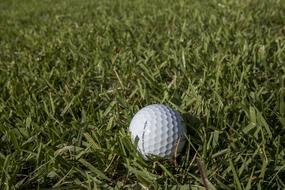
{"x":74,"y":72}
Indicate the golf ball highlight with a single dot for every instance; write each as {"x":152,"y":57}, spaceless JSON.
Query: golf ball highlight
{"x":158,"y":130}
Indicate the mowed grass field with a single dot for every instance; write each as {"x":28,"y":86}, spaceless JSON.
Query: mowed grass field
{"x":74,"y":72}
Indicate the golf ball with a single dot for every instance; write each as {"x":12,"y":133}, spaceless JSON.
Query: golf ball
{"x":158,"y":130}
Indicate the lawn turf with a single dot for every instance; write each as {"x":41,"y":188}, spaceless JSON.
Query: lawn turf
{"x":74,"y":72}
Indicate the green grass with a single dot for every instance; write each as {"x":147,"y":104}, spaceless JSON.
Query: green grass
{"x":73,"y":73}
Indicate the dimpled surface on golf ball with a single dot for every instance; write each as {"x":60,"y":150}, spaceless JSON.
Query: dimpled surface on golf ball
{"x":158,"y":130}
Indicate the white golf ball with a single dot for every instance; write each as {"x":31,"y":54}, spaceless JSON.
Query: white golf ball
{"x":158,"y":130}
